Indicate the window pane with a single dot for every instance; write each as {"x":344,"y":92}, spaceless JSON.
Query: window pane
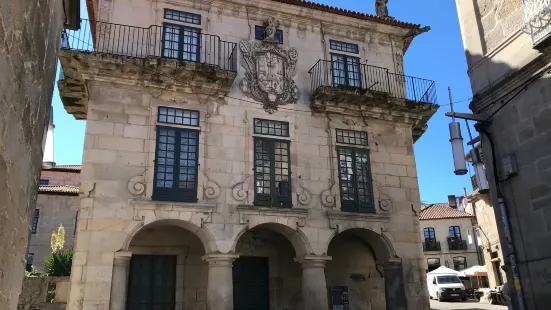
{"x":183,"y":16}
{"x":351,"y":137}
{"x":165,"y":159}
{"x":270,"y":127}
{"x":178,"y":116}
{"x":344,"y":47}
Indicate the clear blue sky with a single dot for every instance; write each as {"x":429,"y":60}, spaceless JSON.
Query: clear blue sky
{"x":437,"y":55}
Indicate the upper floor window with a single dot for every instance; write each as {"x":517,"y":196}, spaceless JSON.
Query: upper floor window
{"x":455,"y":232}
{"x":429,"y":233}
{"x":351,"y":137}
{"x":260,"y":34}
{"x":459,"y":263}
{"x":34,"y":225}
{"x":178,"y":116}
{"x":272,"y":128}
{"x":355,"y":180}
{"x":272,"y":166}
{"x":344,"y":47}
{"x":181,"y":16}
{"x":176,"y":164}
{"x":345,"y":70}
{"x":181,"y":42}
{"x":44,"y":182}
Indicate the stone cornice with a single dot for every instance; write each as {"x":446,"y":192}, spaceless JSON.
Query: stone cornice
{"x":298,"y":215}
{"x":147,"y":203}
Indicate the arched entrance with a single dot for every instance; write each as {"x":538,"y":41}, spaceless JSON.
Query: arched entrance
{"x":359,"y":271}
{"x":266,"y":276}
{"x":165,"y":267}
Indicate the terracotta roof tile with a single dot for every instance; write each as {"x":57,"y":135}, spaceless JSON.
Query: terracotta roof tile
{"x":354,"y":14}
{"x":436,"y":211}
{"x":58,"y":189}
{"x":68,"y":168}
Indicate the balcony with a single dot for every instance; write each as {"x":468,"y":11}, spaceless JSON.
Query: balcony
{"x":431,"y":245}
{"x":537,"y":22}
{"x":363,"y":90}
{"x":455,"y":244}
{"x":165,"y":57}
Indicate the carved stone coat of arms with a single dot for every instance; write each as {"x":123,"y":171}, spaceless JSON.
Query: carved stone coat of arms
{"x":270,"y":69}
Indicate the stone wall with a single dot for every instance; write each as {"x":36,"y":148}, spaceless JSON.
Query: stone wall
{"x":499,"y":20}
{"x":29,"y":42}
{"x":44,"y":293}
{"x":489,"y":238}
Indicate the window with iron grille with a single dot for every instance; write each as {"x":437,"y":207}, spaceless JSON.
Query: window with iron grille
{"x":178,"y":116}
{"x":433,"y":263}
{"x":44,"y":182}
{"x":459,"y":263}
{"x":355,"y":180}
{"x":176,"y":164}
{"x":351,"y":137}
{"x":345,"y":70}
{"x":455,"y":232}
{"x":271,"y":128}
{"x":260,"y":34}
{"x":182,"y":16}
{"x":181,"y":42}
{"x":34,"y":226}
{"x":272,"y":177}
{"x":343,"y":46}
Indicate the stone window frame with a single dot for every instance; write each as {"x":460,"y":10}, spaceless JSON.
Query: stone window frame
{"x":182,"y":16}
{"x":36,"y":218}
{"x":346,"y":47}
{"x":259,"y":33}
{"x":174,"y":193}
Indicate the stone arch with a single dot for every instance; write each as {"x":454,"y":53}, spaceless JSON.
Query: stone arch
{"x":379,"y":242}
{"x":206,"y":237}
{"x":297,"y":238}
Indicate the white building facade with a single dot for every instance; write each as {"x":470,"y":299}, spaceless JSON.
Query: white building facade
{"x":245,"y":156}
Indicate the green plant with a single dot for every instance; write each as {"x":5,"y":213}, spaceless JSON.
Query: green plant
{"x":59,"y":263}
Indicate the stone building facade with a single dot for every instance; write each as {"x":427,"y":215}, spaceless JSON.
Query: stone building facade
{"x":260,"y":166}
{"x":57,"y":204}
{"x":506,"y":47}
{"x":29,"y":41}
{"x":448,"y":237}
{"x":488,"y":237}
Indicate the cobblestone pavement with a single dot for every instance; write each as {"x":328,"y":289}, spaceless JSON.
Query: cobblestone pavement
{"x":452,"y":305}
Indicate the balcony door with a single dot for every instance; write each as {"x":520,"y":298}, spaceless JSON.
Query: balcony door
{"x":181,"y":42}
{"x":345,"y":70}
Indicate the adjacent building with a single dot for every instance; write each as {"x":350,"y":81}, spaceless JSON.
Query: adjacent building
{"x":57,"y":204}
{"x":29,"y":42}
{"x":448,"y":237}
{"x":244,"y":155}
{"x":506,"y":44}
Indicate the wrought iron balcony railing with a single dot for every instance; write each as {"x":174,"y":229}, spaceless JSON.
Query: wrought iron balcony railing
{"x":170,"y":41}
{"x":431,"y":245}
{"x":336,"y":74}
{"x":455,"y":244}
{"x":537,"y":19}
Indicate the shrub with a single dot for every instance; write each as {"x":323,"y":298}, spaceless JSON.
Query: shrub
{"x":59,"y":263}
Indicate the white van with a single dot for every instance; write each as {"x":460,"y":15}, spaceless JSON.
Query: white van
{"x":445,"y":286}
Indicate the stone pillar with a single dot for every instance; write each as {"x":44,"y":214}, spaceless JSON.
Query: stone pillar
{"x":119,"y":281}
{"x":395,"y":291}
{"x":314,"y":287}
{"x":220,"y":281}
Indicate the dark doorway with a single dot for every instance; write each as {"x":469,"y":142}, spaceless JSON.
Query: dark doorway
{"x":152,"y":282}
{"x":251,"y":284}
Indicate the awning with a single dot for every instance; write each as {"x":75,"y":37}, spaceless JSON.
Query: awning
{"x":474,"y":271}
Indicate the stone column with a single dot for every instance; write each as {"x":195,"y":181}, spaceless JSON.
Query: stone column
{"x":220,"y":281}
{"x":119,"y":281}
{"x":395,"y":291}
{"x":314,"y":287}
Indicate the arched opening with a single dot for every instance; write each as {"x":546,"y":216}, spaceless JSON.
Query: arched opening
{"x":265,"y":276}
{"x":166,"y":269}
{"x":353,"y":269}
